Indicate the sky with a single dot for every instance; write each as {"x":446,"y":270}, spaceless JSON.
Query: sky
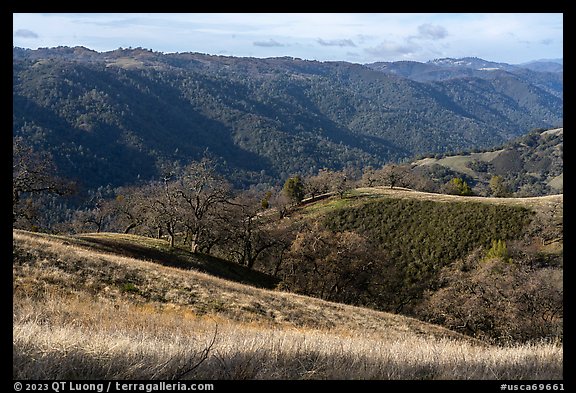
{"x":512,"y":38}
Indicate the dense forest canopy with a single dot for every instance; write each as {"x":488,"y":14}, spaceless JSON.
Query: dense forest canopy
{"x":117,"y":117}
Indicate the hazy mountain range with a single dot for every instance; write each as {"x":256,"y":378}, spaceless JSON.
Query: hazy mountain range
{"x":546,"y":74}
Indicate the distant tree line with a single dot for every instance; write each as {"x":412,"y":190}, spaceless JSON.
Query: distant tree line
{"x":186,"y":201}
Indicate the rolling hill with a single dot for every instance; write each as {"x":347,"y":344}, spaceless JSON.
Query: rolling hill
{"x":405,"y":239}
{"x":116,"y":117}
{"x":84,"y":313}
{"x":530,"y":165}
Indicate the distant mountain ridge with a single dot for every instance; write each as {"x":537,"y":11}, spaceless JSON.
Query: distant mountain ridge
{"x":114,"y":117}
{"x":546,"y":74}
{"x":471,"y":62}
{"x":545,"y":65}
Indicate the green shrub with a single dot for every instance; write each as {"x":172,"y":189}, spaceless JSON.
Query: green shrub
{"x":498,"y":250}
{"x":129,"y":287}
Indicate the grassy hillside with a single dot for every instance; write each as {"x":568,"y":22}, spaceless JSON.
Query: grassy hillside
{"x":544,"y":212}
{"x":82,"y":311}
{"x":75,"y":267}
{"x":159,"y":251}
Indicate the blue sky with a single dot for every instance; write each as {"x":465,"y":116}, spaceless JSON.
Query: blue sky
{"x":355,"y":37}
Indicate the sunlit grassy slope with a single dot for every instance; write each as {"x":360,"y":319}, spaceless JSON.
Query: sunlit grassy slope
{"x":91,"y":307}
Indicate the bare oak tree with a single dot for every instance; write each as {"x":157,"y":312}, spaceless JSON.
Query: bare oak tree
{"x":199,"y":191}
{"x":248,"y":227}
{"x":318,"y":184}
{"x":33,"y":173}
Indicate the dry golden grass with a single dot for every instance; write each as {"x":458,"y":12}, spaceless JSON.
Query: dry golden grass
{"x":46,"y":263}
{"x":76,"y":317}
{"x":542,"y":202}
{"x":67,"y":337}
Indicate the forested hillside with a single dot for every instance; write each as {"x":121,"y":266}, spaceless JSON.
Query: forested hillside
{"x":119,"y":117}
{"x":530,"y":165}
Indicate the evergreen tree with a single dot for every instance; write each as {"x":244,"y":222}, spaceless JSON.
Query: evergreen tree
{"x":498,"y":250}
{"x":498,"y":187}
{"x":458,"y":186}
{"x":294,"y":189}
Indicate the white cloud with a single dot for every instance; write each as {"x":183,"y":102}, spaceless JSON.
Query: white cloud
{"x":341,"y":43}
{"x":511,"y":37}
{"x":269,"y":43}
{"x":390,"y":49}
{"x":433,"y":32}
{"x":25,"y":33}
